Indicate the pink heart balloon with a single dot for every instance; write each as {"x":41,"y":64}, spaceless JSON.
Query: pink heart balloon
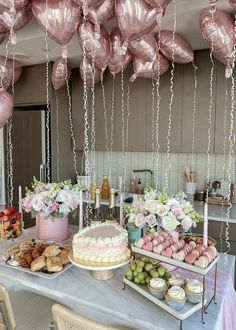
{"x":7,"y":4}
{"x":16,"y":20}
{"x":144,"y":47}
{"x":159,"y":3}
{"x":135,"y":18}
{"x":6,"y":71}
{"x":117,"y":59}
{"x":86,"y":70}
{"x":90,"y":42}
{"x":180,"y":48}
{"x":233,"y":3}
{"x":220,"y":32}
{"x":60,"y":72}
{"x":149,"y":69}
{"x":62,"y":18}
{"x":102,"y":12}
{"x":6,"y":107}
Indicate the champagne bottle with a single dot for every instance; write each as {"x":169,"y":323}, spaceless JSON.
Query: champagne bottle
{"x":112,"y":213}
{"x":98,"y":216}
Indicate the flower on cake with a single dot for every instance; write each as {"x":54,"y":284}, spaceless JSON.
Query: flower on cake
{"x":52,"y":199}
{"x":158,"y":209}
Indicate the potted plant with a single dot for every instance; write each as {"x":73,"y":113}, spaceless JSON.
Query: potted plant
{"x":51,"y":203}
{"x":158,"y":210}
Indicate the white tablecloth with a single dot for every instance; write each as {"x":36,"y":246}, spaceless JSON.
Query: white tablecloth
{"x":106,"y":301}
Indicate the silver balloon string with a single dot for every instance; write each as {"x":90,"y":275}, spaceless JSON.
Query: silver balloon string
{"x":112,"y":126}
{"x":93,"y":126}
{"x":127,"y":127}
{"x":231,"y":162}
{"x":153,"y":124}
{"x":123,"y":127}
{"x":71,"y":123}
{"x":194,"y":114}
{"x":224,"y":158}
{"x":58,"y":139}
{"x":158,"y":99}
{"x":105,"y":121}
{"x":86,"y":145}
{"x":48,"y":113}
{"x":167,"y":173}
{"x":209,"y":132}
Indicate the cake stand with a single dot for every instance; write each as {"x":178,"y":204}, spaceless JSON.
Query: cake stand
{"x":101,"y":273}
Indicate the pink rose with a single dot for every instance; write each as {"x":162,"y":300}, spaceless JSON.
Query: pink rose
{"x":178,"y":212}
{"x":53,"y":207}
{"x":27,"y":204}
{"x":151,"y":220}
{"x":186,"y":223}
{"x":139,"y":220}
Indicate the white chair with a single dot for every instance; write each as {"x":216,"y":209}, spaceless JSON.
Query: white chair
{"x":23,"y":310}
{"x":65,"y":319}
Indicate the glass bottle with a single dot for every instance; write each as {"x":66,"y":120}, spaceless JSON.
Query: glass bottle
{"x":132,"y":187}
{"x":105,"y":194}
{"x":139,"y":187}
{"x":92,"y":191}
{"x":112,"y":212}
{"x":97,"y":215}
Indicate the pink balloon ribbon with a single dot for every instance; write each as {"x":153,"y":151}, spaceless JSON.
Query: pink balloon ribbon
{"x":117,"y":59}
{"x":61,"y":18}
{"x":180,"y":48}
{"x":60,"y":72}
{"x":6,"y":107}
{"x":149,"y":69}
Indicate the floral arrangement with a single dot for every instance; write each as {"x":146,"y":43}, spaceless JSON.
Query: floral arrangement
{"x":158,"y":209}
{"x":51,"y":199}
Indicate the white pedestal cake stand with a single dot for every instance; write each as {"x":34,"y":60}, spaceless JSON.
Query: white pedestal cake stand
{"x":101,"y":273}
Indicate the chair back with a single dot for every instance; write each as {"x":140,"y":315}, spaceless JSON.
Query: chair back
{"x":65,"y":319}
{"x":7,"y":320}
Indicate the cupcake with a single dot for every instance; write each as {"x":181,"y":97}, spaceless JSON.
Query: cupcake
{"x":194,"y":290}
{"x":175,"y":297}
{"x":157,"y":287}
{"x":176,"y":280}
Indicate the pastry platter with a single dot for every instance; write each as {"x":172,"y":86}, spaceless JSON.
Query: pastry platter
{"x":101,"y":273}
{"x":39,"y":258}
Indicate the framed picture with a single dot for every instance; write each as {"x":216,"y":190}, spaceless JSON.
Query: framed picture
{"x":220,"y":192}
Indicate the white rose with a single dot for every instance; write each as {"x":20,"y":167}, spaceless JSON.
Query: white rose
{"x":173,"y":202}
{"x":150,"y":195}
{"x":63,"y":196}
{"x":37,"y":203}
{"x":64,"y":209}
{"x":150,"y":206}
{"x":132,"y":217}
{"x":187,"y":207}
{"x":162,"y":210}
{"x":186,"y":223}
{"x":169,"y":222}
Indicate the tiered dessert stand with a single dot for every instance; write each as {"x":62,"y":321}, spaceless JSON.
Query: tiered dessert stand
{"x":101,"y":273}
{"x":189,"y":308}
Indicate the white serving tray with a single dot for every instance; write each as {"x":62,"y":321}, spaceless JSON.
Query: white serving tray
{"x":177,"y":263}
{"x":38,"y":273}
{"x":187,"y":311}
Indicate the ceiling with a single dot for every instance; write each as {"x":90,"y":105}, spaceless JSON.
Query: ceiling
{"x":30,"y":47}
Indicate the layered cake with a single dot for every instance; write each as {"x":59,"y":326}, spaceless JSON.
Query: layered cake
{"x":101,"y":245}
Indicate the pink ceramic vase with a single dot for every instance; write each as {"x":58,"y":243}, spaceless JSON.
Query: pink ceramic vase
{"x":52,"y":229}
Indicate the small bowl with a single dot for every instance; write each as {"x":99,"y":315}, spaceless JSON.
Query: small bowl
{"x":193,"y":298}
{"x":177,"y":305}
{"x":158,"y":293}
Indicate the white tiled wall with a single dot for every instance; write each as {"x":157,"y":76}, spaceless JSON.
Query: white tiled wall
{"x":143,"y":160}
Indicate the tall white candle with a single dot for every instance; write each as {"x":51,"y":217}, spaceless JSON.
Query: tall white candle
{"x":20,"y":207}
{"x":81,"y":224}
{"x":205,"y":225}
{"x":121,"y":210}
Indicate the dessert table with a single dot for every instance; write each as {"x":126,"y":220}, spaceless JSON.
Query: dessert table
{"x":106,"y":301}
